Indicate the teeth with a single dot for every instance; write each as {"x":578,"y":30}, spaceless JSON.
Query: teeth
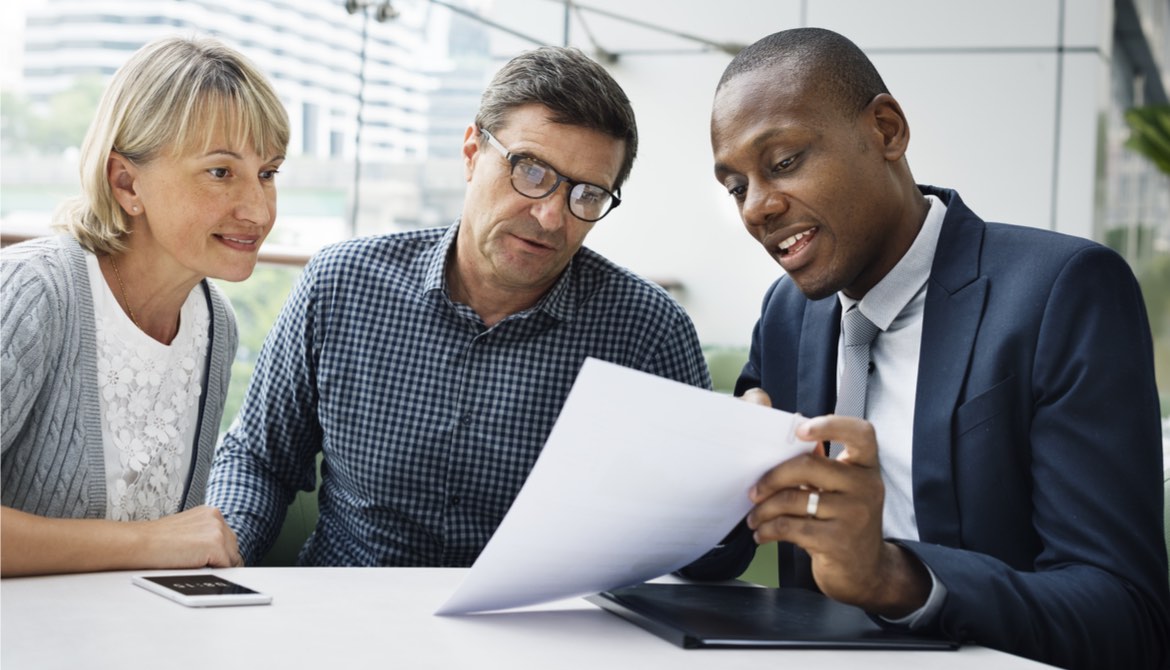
{"x":232,"y":239}
{"x":793,"y":240}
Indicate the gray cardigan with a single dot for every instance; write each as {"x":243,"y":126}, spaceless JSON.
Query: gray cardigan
{"x":52,"y":461}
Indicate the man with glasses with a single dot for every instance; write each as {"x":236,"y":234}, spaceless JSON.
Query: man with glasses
{"x":428,"y":367}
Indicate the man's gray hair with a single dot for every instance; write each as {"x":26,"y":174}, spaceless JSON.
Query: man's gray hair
{"x":577,"y":90}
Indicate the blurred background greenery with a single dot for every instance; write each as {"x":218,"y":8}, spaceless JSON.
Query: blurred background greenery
{"x":257,"y":302}
{"x":1150,"y":137}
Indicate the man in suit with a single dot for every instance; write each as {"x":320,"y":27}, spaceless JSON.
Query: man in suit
{"x":1003,"y":486}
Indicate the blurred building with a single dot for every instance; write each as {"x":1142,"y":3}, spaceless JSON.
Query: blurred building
{"x":347,"y":79}
{"x":310,"y":48}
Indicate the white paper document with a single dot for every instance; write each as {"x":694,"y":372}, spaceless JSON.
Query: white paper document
{"x":639,"y":477}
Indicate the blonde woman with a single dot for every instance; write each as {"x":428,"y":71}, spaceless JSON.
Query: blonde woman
{"x":116,"y":350}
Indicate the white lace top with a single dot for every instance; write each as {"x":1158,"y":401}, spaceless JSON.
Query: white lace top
{"x":149,"y":395}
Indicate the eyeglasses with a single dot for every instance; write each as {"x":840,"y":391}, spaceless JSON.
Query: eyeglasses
{"x":533,"y":178}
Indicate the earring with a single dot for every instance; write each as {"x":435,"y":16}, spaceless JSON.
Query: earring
{"x":134,"y":209}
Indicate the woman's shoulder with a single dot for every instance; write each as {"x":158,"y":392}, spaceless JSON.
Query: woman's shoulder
{"x":49,"y":267}
{"x":43,"y":296}
{"x":58,"y":255}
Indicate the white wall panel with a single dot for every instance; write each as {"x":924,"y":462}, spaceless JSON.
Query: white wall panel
{"x":954,"y":24}
{"x":984,"y":124}
{"x":676,"y":222}
{"x":1088,"y":24}
{"x":1084,"y":104}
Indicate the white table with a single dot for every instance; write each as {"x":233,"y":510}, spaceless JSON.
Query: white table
{"x":364,"y":618}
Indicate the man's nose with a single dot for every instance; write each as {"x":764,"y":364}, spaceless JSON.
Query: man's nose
{"x":551,"y":210}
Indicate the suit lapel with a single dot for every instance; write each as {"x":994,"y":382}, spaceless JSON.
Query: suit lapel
{"x":817,"y":372}
{"x":955,"y":300}
{"x":815,"y":394}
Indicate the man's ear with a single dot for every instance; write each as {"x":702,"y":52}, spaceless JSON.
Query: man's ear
{"x":122,"y":175}
{"x":890,"y":123}
{"x":470,"y":149}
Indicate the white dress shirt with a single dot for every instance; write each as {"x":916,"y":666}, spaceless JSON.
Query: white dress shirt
{"x":895,"y":305}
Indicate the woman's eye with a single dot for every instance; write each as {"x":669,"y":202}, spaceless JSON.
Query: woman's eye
{"x":219,"y":173}
{"x":269,"y":175}
{"x":737,"y":191}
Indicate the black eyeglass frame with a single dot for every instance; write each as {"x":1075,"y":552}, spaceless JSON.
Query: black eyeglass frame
{"x":514,"y":159}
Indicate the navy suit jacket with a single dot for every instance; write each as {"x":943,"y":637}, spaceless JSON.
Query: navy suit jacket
{"x":1037,"y":441}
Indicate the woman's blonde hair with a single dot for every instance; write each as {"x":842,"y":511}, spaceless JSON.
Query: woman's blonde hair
{"x":172,"y":93}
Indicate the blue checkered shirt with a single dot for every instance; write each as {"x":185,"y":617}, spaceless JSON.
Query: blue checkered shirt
{"x":429,"y":422}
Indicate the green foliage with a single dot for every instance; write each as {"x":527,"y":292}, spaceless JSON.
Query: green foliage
{"x":15,"y":122}
{"x":1152,"y":269}
{"x":725,"y":364}
{"x":764,"y":568}
{"x":257,"y":302}
{"x":70,"y":113}
{"x":1150,"y":134}
{"x":1153,"y":274}
{"x":60,"y":125}
{"x":1150,"y":137}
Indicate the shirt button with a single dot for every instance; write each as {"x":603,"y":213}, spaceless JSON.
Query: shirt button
{"x":465,"y":419}
{"x":455,"y":500}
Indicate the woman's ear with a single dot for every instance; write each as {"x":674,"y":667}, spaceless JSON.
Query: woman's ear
{"x":121,"y":174}
{"x":890,"y":122}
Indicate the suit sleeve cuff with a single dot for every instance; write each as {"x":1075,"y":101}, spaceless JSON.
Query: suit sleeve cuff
{"x":923,"y":615}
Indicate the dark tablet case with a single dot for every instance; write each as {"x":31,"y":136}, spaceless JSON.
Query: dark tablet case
{"x":696,"y":616}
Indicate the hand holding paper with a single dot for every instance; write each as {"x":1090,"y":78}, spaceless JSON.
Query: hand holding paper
{"x":639,"y":477}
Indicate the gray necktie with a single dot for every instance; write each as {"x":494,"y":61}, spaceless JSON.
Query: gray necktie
{"x":857,"y":332}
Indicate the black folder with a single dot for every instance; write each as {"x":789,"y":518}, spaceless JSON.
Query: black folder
{"x":707,"y":615}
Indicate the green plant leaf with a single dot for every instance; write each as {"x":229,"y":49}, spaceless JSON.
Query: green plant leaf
{"x":1150,"y":133}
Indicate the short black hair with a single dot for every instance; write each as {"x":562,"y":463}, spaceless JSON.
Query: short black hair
{"x":836,"y":66}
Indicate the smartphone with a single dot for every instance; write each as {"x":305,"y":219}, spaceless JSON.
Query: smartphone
{"x":201,"y":590}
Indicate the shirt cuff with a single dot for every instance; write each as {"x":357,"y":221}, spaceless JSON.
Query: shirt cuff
{"x":922,"y":615}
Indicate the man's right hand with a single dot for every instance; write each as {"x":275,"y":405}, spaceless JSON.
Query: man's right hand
{"x":851,"y":561}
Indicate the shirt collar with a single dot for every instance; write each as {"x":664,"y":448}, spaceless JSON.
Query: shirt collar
{"x":889,"y":297}
{"x":435,"y":278}
{"x":557,"y":302}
